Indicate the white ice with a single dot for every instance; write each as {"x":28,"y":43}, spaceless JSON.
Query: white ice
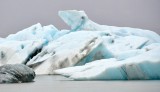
{"x":78,"y":20}
{"x":18,"y":52}
{"x":144,"y":66}
{"x":134,"y":52}
{"x":35,"y":32}
{"x":90,"y":51}
{"x":66,"y":51}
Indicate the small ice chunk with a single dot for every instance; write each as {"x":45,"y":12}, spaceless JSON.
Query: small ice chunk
{"x":16,"y":73}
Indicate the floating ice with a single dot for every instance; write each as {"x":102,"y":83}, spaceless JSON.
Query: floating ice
{"x":144,"y":66}
{"x":78,"y":20}
{"x":60,"y":33}
{"x":75,"y":19}
{"x":66,"y":51}
{"x":2,"y":40}
{"x":122,"y":44}
{"x":16,"y":73}
{"x":35,"y":32}
{"x":13,"y":52}
{"x":110,"y":52}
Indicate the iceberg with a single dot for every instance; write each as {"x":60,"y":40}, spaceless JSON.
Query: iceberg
{"x":16,"y":73}
{"x":66,"y":51}
{"x":134,"y":51}
{"x":78,"y":20}
{"x":88,"y":51}
{"x":143,"y":66}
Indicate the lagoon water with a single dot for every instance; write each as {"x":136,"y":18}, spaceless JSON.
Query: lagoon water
{"x":56,"y":83}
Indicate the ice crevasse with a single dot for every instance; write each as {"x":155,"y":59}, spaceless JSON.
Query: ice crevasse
{"x":87,"y":51}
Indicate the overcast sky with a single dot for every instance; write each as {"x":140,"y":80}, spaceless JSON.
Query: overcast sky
{"x":16,"y":15}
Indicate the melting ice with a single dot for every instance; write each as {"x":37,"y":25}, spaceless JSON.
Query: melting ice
{"x":87,"y":51}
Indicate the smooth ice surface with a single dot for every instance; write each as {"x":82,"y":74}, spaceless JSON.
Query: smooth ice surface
{"x":75,"y":20}
{"x":78,"y":20}
{"x":2,"y":40}
{"x":122,"y":44}
{"x":144,"y":66}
